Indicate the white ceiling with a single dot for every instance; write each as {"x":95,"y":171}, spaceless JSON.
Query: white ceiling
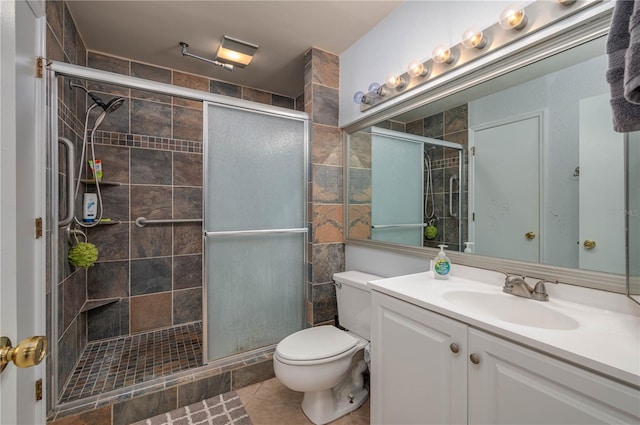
{"x":149,"y":31}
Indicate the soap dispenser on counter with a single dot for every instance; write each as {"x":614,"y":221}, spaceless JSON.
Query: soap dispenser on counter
{"x":467,"y":248}
{"x":441,"y":264}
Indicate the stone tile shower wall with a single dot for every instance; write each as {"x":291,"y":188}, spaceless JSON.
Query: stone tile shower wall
{"x":64,"y":44}
{"x":450,"y":125}
{"x":326,"y":247}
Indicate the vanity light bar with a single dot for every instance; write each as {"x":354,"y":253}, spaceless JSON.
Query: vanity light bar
{"x":539,"y":15}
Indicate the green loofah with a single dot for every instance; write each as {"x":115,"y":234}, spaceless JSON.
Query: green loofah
{"x":430,"y":232}
{"x":83,"y":254}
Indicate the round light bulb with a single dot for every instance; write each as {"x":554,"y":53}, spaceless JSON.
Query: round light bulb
{"x":473,"y":38}
{"x":417,"y":69}
{"x":442,"y":54}
{"x":513,"y":17}
{"x":376,"y":88}
{"x":395,"y":81}
{"x":359,"y":97}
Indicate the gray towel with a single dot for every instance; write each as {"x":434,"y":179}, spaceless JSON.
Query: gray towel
{"x":632,"y":58}
{"x":626,"y":115}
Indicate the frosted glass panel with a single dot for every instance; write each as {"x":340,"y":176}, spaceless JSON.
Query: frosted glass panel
{"x":255,"y":297}
{"x":255,"y":180}
{"x":255,"y":172}
{"x":396,"y":175}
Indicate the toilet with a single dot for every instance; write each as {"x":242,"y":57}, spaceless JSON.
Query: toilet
{"x":326,"y":363}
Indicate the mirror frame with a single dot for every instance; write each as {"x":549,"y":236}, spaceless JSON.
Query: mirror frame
{"x":570,"y":36}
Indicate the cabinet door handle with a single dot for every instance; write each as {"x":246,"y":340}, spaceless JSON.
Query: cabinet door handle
{"x":454,"y":347}
{"x":475,"y":359}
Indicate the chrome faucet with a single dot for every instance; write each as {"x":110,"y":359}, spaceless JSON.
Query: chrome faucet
{"x":516,"y":285}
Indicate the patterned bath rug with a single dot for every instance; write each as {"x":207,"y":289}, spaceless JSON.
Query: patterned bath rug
{"x":224,"y":409}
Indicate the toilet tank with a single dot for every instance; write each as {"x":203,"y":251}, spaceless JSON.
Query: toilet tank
{"x":353,"y":296}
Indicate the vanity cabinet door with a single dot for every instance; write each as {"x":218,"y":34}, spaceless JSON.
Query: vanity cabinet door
{"x":417,"y":375}
{"x":511,"y":384}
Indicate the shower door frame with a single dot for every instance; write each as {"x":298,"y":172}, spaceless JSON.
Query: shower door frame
{"x":56,"y":69}
{"x":265,"y":110}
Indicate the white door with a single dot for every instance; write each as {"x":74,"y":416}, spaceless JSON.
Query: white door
{"x":418,"y":365}
{"x":602,"y":210}
{"x":505,"y":189}
{"x":21,"y":194}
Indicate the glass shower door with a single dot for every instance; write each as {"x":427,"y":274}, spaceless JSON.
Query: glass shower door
{"x":255,"y":221}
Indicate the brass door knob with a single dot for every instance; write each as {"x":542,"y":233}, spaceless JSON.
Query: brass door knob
{"x":530,"y":235}
{"x":475,"y":359}
{"x":589,"y":244}
{"x":454,"y":347}
{"x":29,"y":352}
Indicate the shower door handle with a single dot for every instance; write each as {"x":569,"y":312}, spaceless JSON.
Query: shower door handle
{"x":255,"y":232}
{"x":71,"y":171}
{"x":451,"y":212}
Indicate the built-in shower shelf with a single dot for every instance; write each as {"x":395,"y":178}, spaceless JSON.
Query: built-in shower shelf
{"x":102,"y":182}
{"x":91,"y":304}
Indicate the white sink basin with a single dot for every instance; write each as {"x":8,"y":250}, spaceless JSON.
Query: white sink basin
{"x":510,"y":308}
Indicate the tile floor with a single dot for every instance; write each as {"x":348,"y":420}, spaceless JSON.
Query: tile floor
{"x":120,"y":362}
{"x":269,"y":403}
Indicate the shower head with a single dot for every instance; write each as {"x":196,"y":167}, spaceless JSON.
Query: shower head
{"x":108,"y":107}
{"x":111,"y":106}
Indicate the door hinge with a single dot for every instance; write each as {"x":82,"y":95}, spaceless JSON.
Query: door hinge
{"x":39,"y":390}
{"x":39,"y":67}
{"x":473,"y":151}
{"x":38,"y":227}
{"x":473,"y":217}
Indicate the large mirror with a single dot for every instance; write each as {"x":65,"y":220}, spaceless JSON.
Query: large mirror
{"x":523,"y":167}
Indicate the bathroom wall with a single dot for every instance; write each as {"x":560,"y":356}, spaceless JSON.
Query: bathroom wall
{"x":326,"y":249}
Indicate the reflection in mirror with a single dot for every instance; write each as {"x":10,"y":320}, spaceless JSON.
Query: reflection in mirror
{"x":543,"y":167}
{"x":633,"y":213}
{"x":398,"y":182}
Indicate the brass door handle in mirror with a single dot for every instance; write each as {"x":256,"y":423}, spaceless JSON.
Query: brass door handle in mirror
{"x":530,"y":235}
{"x":29,"y":352}
{"x":589,"y":244}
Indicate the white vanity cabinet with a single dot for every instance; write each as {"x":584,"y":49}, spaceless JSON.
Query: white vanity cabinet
{"x":419,"y":377}
{"x":416,"y":378}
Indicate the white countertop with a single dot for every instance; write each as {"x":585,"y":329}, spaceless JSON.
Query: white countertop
{"x":606,"y":340}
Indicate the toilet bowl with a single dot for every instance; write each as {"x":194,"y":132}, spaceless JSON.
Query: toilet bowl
{"x":327,"y":363}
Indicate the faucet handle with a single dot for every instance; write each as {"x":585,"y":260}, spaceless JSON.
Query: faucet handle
{"x":540,"y":292}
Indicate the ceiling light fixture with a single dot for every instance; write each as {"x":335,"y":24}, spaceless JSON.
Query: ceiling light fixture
{"x":236,"y":52}
{"x":184,"y":46}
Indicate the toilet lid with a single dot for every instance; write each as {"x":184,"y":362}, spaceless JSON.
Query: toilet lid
{"x":315,"y":343}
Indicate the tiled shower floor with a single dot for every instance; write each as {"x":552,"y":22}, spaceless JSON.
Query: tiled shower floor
{"x":116,"y":363}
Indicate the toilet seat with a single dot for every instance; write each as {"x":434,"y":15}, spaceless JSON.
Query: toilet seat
{"x":315,"y":345}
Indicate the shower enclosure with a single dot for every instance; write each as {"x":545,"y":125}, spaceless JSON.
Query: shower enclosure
{"x":416,"y":184}
{"x":162,"y":297}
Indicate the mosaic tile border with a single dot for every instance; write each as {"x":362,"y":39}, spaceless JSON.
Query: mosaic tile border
{"x":149,"y":142}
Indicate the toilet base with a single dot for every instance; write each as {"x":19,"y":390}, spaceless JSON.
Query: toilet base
{"x":322,"y":407}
